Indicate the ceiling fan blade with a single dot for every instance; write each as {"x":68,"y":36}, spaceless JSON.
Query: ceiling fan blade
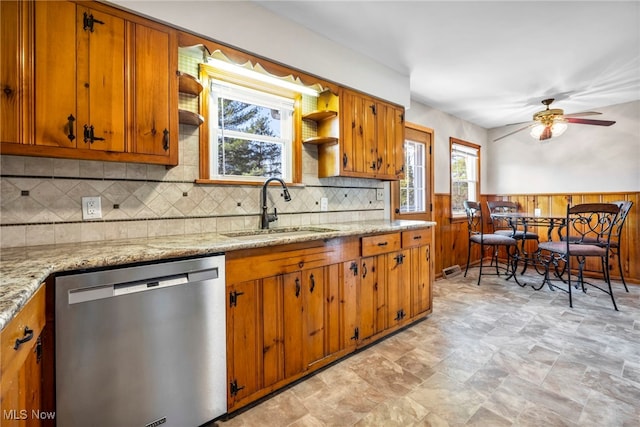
{"x":515,"y":131}
{"x":591,"y":122}
{"x":584,"y":113}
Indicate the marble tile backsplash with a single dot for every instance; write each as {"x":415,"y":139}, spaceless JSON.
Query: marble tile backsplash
{"x":40,"y":199}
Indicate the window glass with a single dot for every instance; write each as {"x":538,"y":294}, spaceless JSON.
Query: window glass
{"x":412,"y":189}
{"x":253,"y":133}
{"x":464,"y":175}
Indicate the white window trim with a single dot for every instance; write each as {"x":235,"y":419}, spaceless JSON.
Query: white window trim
{"x":263,"y":99}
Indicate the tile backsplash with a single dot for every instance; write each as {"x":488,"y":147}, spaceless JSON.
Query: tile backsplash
{"x":40,"y":199}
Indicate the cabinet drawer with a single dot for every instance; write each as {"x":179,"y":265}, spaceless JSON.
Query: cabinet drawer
{"x":383,"y":243}
{"x":251,"y":264}
{"x":32,"y":318}
{"x":414,"y":238}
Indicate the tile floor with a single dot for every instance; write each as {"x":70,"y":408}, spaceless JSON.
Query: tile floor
{"x":489,"y":355}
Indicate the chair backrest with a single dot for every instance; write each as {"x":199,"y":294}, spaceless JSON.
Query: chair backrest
{"x":474,"y":217}
{"x":625,"y":207}
{"x":592,"y":222}
{"x":501,"y":206}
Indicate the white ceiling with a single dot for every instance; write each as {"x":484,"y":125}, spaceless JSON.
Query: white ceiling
{"x":491,"y":62}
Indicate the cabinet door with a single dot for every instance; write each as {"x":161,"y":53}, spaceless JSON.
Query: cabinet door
{"x":15,"y":26}
{"x":390,"y":132}
{"x":21,"y":364}
{"x":398,"y":287}
{"x":421,"y":279}
{"x":293,"y":328}
{"x":56,"y":112}
{"x":101,"y":79}
{"x":372,"y":303}
{"x":304,"y":337}
{"x":244,"y":351}
{"x":79,"y":77}
{"x":349,"y":286}
{"x":154,"y":77}
{"x":349,"y":133}
{"x":313,"y":281}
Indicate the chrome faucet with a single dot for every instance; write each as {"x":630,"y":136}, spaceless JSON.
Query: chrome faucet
{"x":266,"y":218}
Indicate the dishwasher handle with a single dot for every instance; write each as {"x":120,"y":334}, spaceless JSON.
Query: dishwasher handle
{"x":156,"y":283}
{"x":80,"y":295}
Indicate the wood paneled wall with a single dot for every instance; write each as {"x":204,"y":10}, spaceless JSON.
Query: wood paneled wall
{"x":451,"y":238}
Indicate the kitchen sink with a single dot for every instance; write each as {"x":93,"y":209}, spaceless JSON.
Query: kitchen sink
{"x":286,"y":231}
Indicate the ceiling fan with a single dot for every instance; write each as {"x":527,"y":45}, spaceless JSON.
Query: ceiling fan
{"x":553,"y":122}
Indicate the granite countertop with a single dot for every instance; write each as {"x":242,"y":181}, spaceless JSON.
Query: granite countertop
{"x":22,"y":270}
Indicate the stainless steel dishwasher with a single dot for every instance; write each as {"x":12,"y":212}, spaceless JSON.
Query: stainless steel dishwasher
{"x":143,"y":345}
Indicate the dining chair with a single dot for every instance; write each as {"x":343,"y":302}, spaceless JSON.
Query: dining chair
{"x":586,"y":234}
{"x":475,"y":223}
{"x":616,"y":235}
{"x":502,"y":226}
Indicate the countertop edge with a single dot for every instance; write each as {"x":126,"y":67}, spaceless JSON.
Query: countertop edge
{"x":23,"y":270}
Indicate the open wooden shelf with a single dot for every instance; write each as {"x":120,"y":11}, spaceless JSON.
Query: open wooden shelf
{"x":318,"y":140}
{"x":190,"y":118}
{"x":189,"y":84}
{"x":319,"y":115}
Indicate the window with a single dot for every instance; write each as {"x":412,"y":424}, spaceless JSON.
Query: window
{"x":250,"y":134}
{"x":411,"y":197}
{"x":465,"y":174}
{"x":412,"y":187}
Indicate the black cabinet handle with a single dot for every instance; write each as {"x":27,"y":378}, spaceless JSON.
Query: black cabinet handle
{"x":313,"y":283}
{"x":165,"y":140}
{"x":88,"y":22}
{"x":364,"y":270}
{"x":354,"y":268}
{"x":383,"y":244}
{"x":418,"y":237}
{"x":28,"y":336}
{"x":297,"y":287}
{"x":345,"y":160}
{"x":70,"y":120}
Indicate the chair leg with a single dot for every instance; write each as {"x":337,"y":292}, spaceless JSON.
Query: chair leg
{"x":568,"y":264}
{"x":607,"y":276}
{"x":481,"y":255}
{"x":621,"y":273}
{"x":468,"y":258}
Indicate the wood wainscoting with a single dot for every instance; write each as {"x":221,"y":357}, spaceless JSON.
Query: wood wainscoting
{"x":451,"y":238}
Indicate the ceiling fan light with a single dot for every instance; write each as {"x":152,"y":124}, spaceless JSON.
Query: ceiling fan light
{"x":557,"y":129}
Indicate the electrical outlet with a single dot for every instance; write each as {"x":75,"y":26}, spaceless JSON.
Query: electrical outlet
{"x":380,"y":194}
{"x":324,"y":204}
{"x":91,"y":208}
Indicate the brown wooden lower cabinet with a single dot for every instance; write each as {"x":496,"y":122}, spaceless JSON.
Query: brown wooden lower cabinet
{"x":296,"y":308}
{"x":21,"y":367}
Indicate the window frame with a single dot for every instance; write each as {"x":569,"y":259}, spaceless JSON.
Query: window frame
{"x":422,"y":135}
{"x":459,"y":142}
{"x":254,"y":97}
{"x":208,"y":73}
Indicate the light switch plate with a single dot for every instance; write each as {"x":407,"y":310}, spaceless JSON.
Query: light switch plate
{"x":324,"y":204}
{"x":380,"y":194}
{"x":91,"y":208}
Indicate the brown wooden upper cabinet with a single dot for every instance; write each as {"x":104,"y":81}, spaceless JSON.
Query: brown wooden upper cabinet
{"x":105,"y":84}
{"x":371,"y":140}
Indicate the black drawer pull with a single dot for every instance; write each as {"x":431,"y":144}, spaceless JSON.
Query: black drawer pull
{"x":383,"y":244}
{"x":418,"y":237}
{"x":28,"y":336}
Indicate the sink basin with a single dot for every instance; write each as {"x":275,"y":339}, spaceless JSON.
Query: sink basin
{"x":288,"y":231}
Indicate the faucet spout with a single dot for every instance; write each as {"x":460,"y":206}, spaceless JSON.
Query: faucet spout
{"x":266,"y":218}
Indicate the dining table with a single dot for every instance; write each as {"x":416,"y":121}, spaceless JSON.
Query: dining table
{"x":524,"y":221}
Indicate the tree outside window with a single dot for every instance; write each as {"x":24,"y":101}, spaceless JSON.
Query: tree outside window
{"x":465,"y":173}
